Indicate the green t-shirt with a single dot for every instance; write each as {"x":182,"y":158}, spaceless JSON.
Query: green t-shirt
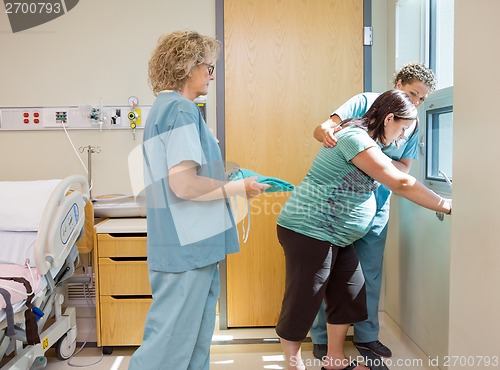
{"x":335,"y":201}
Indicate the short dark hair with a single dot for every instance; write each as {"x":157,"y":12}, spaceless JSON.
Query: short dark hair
{"x":415,"y":72}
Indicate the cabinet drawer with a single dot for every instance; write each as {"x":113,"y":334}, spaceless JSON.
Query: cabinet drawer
{"x":122,"y":277}
{"x":122,"y":321}
{"x":121,"y":246}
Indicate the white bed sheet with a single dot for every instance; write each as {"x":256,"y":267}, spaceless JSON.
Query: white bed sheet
{"x":17,"y":247}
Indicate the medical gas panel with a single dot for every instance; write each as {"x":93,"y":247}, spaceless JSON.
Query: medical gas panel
{"x":87,"y":117}
{"x":80,"y":117}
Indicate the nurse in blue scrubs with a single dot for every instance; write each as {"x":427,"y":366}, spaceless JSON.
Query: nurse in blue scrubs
{"x":417,"y":81}
{"x":190,"y":224}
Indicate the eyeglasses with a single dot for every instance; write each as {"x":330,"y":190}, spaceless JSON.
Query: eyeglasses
{"x":210,"y":68}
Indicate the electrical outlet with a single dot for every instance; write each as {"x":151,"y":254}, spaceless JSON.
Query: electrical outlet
{"x":21,"y":118}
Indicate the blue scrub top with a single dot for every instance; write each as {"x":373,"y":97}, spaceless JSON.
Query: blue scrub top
{"x":183,"y":234}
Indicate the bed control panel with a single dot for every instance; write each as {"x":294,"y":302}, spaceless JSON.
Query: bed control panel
{"x":69,"y":223}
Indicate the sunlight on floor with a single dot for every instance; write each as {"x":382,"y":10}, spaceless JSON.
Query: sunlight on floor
{"x":222,"y":338}
{"x":273,"y":358}
{"x":117,"y":363}
{"x":223,"y":362}
{"x":250,"y":349}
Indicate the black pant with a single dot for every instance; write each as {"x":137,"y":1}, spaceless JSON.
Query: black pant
{"x":317,"y":270}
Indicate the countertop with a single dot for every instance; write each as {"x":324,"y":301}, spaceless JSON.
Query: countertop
{"x":122,"y":225}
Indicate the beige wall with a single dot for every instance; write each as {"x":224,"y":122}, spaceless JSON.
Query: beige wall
{"x":98,"y":50}
{"x":475,"y":252}
{"x":442,"y":278}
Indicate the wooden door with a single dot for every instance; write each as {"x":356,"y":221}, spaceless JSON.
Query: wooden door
{"x":288,"y":64}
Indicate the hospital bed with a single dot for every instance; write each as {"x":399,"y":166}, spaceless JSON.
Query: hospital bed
{"x":40,"y":222}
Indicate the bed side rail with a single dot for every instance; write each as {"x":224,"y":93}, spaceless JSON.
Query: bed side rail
{"x":62,"y":222}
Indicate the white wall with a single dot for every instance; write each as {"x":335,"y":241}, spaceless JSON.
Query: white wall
{"x":98,"y":50}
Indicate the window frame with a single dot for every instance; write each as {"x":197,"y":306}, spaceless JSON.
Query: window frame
{"x":439,"y":102}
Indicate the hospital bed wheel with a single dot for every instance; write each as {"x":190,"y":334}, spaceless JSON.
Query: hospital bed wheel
{"x":65,"y":348}
{"x":107,"y":350}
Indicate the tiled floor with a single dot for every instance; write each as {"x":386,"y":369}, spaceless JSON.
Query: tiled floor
{"x":261,"y":351}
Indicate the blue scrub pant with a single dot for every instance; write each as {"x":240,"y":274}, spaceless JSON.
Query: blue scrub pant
{"x":180,"y":322}
{"x":370,"y":251}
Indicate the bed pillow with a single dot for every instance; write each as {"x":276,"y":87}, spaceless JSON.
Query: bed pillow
{"x":22,"y":203}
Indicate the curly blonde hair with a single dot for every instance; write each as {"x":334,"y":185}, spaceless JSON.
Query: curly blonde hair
{"x":415,"y":72}
{"x":175,"y":57}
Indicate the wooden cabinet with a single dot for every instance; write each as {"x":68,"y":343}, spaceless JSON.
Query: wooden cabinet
{"x":123,"y":293}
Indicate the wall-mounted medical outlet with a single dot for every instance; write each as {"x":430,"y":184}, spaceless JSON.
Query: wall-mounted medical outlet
{"x":201,"y":102}
{"x":116,"y":117}
{"x":101,"y":117}
{"x":135,"y":117}
{"x":61,"y":117}
{"x":21,"y":118}
{"x":80,"y":118}
{"x":69,"y":117}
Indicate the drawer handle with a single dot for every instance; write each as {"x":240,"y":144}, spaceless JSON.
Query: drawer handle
{"x":132,"y":296}
{"x":127,"y":235}
{"x":125,"y":259}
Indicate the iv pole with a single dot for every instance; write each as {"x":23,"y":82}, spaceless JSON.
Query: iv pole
{"x":90,"y":149}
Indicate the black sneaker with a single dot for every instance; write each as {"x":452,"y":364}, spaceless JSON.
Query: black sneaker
{"x":376,"y":347}
{"x":320,"y":350}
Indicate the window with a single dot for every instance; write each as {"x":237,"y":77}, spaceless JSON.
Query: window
{"x":424,"y":32}
{"x":437,"y":141}
{"x":441,"y":16}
